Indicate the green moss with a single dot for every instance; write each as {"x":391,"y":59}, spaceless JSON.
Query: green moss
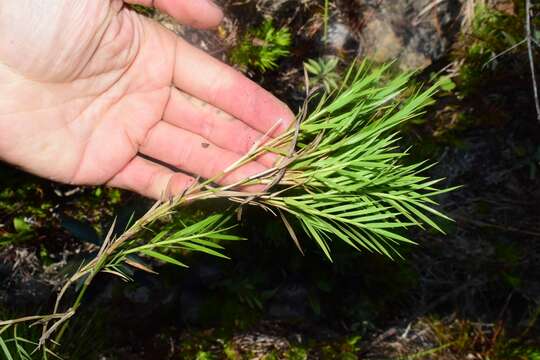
{"x":203,"y":355}
{"x":492,"y":32}
{"x":231,"y":353}
{"x":491,"y":64}
{"x":261,"y":48}
{"x":271,"y":356}
{"x":296,"y":353}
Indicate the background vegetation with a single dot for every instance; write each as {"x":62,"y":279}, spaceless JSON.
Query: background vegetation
{"x":473,"y":293}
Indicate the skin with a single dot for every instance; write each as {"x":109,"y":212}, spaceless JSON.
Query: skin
{"x":88,"y":86}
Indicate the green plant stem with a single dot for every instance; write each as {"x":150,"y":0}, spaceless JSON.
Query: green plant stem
{"x":75,"y":307}
{"x":326,"y":20}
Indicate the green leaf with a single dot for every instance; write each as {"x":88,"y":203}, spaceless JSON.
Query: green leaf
{"x":162,"y":257}
{"x":199,"y":248}
{"x":446,"y":83}
{"x":21,"y":226}
{"x":81,"y":230}
{"x":226,"y":237}
{"x":5,"y":349}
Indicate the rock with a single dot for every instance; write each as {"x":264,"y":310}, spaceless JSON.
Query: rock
{"x":341,"y":38}
{"x":382,"y":43}
{"x":338,"y":35}
{"x":414,"y":33}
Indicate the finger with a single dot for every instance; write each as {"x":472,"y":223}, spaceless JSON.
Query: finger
{"x":218,"y":127}
{"x":216,"y":83}
{"x":194,"y":154}
{"x":151,"y":180}
{"x":202,"y":14}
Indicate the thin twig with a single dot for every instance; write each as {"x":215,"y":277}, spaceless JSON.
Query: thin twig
{"x":286,"y":161}
{"x":495,"y":226}
{"x":495,"y":57}
{"x":528,"y":29}
{"x":256,"y":146}
{"x":291,"y":231}
{"x":452,"y":293}
{"x":31,"y":318}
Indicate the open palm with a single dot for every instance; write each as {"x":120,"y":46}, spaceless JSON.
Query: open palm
{"x":90,"y":92}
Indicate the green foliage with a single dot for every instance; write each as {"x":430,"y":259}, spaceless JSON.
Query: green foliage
{"x":323,"y":72}
{"x":85,"y":340}
{"x":201,"y":236}
{"x":355,"y":187}
{"x":19,"y":343}
{"x":205,"y":345}
{"x":203,"y":355}
{"x":22,"y":231}
{"x":326,"y":19}
{"x":296,"y":353}
{"x":260,"y":48}
{"x":21,"y":206}
{"x":21,"y":226}
{"x":446,"y":83}
{"x":15,"y":345}
{"x":493,"y":34}
{"x":523,"y":353}
{"x":231,"y":353}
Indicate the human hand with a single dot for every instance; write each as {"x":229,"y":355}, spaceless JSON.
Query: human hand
{"x":86,"y":86}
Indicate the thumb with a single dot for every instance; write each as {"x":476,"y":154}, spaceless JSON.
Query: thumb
{"x":202,"y":14}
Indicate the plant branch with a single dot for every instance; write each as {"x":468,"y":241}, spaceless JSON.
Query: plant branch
{"x":342,"y":179}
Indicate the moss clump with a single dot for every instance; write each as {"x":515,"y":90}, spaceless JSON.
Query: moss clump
{"x":260,"y":48}
{"x":492,"y":34}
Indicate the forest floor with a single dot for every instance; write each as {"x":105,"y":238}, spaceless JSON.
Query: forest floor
{"x":473,"y":293}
